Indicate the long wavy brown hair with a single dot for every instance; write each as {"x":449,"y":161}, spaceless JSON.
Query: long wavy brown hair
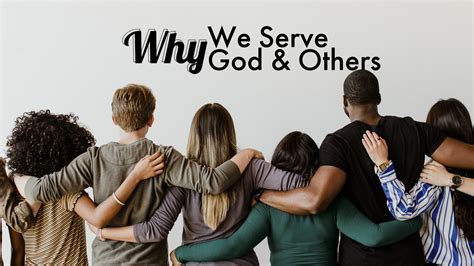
{"x":212,"y":141}
{"x":452,"y":117}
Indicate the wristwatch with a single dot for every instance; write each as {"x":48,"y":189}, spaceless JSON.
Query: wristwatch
{"x":382,"y":167}
{"x":456,"y":181}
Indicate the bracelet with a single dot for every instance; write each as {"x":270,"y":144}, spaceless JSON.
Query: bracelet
{"x":99,"y":235}
{"x":117,"y":200}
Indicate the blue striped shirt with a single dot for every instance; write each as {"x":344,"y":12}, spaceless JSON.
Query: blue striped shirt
{"x":443,"y":240}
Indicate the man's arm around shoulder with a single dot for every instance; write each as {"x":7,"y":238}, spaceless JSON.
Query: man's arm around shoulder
{"x":316,"y":197}
{"x":455,"y":153}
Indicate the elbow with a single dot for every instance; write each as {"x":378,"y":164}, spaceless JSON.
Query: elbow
{"x":315,"y":205}
{"x":376,"y":240}
{"x":216,"y":189}
{"x":97,"y":223}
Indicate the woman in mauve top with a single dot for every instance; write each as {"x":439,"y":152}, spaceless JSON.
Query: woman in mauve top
{"x":212,"y":141}
{"x":293,"y":239}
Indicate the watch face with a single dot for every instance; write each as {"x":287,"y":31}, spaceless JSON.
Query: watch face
{"x":457,"y":180}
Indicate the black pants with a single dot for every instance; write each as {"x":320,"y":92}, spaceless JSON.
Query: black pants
{"x":407,"y":252}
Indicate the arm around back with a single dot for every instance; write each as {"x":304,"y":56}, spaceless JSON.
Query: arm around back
{"x":454,"y":153}
{"x":354,"y":224}
{"x":255,"y":228}
{"x":160,"y":224}
{"x":71,"y":179}
{"x":267,"y":176}
{"x":316,"y":197}
{"x":189,"y":174}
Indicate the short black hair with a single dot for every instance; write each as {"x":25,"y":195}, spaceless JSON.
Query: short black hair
{"x":42,"y":142}
{"x":362,"y":87}
{"x":297,"y":152}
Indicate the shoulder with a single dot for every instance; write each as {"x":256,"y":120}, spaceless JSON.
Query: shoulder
{"x":257,"y":164}
{"x":68,"y":202}
{"x":168,"y":150}
{"x":263,"y":209}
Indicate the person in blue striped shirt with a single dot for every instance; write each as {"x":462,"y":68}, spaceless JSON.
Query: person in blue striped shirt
{"x":448,"y":232}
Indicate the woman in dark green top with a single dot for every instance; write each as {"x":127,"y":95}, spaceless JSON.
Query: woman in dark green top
{"x":298,"y":239}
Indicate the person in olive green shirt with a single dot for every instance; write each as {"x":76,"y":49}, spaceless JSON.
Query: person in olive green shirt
{"x":17,"y":215}
{"x":302,"y":240}
{"x":104,"y":168}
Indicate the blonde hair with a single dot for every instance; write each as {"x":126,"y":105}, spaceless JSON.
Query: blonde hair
{"x":133,"y":106}
{"x":211,"y":142}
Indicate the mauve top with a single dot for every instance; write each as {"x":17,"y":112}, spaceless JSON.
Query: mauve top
{"x":259,"y":174}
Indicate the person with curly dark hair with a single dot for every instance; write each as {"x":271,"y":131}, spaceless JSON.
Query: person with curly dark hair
{"x":41,"y":143}
{"x":104,"y":168}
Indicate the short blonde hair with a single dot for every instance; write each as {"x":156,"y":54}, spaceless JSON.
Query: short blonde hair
{"x":133,"y":106}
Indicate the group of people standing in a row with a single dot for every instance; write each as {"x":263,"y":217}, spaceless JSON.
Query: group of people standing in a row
{"x":368,"y":181}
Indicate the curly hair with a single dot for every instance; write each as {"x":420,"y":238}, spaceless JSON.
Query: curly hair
{"x":42,"y":142}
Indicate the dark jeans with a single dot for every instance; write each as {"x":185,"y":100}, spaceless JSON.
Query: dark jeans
{"x":407,"y":252}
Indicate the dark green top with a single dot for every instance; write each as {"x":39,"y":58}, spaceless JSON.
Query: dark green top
{"x":300,"y":239}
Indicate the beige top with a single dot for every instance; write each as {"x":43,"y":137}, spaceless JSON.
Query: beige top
{"x":58,"y":236}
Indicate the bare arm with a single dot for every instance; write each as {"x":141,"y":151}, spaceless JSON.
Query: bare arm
{"x":436,"y":174}
{"x":454,"y":153}
{"x":18,"y":248}
{"x":99,"y":216}
{"x":467,"y":186}
{"x":324,"y":187}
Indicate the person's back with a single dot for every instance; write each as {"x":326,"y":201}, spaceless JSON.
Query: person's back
{"x":291,"y":242}
{"x":411,"y":141}
{"x":345,"y":167}
{"x":104,"y":168}
{"x":55,"y":223}
{"x":110,"y":164}
{"x":196,"y":230}
{"x":259,"y":174}
{"x":299,"y":239}
{"x":212,"y":140}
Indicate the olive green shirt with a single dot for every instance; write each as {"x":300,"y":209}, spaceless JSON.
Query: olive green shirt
{"x":15,"y":211}
{"x":104,"y":168}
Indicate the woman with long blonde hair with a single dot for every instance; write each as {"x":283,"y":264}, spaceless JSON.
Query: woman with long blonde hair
{"x":212,"y":140}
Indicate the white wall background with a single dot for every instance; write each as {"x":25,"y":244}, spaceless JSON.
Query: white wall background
{"x":68,"y":57}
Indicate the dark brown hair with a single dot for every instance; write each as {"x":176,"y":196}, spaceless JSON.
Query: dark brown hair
{"x":297,"y":152}
{"x":452,"y":117}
